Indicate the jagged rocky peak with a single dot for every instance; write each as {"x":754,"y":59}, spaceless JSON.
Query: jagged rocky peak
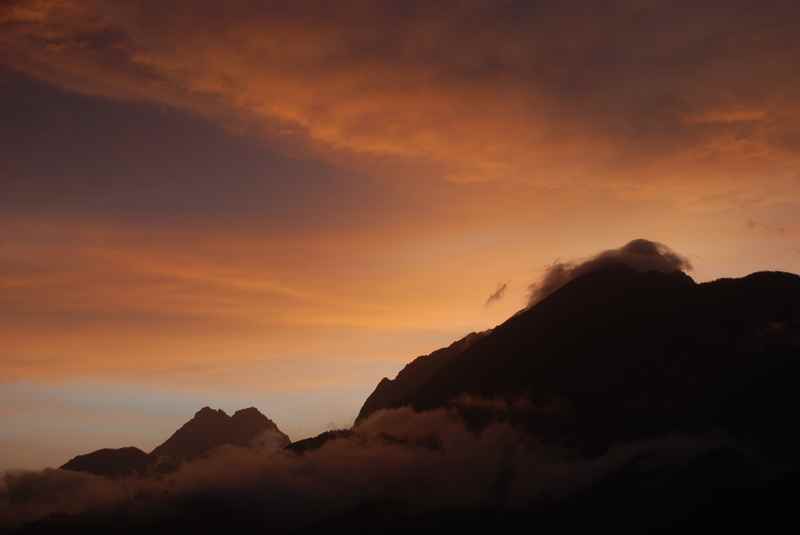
{"x":208,"y":412}
{"x":251,"y":414}
{"x":208,"y":429}
{"x":211,"y":428}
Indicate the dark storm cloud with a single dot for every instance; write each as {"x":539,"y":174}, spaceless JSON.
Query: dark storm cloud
{"x":641,"y":255}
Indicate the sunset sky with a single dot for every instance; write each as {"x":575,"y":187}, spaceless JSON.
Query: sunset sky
{"x":279,"y":203}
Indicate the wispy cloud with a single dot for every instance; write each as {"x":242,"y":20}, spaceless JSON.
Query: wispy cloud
{"x":497,"y":295}
{"x":396,"y":456}
{"x":478,"y":101}
{"x":640,"y":254}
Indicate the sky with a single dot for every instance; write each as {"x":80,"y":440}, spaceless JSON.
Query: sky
{"x":279,"y":203}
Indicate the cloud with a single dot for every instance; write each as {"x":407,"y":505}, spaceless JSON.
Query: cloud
{"x":395,"y":456}
{"x":498,"y":294}
{"x":640,"y":254}
{"x":28,"y":495}
{"x":551,"y":104}
{"x":483,"y":92}
{"x":765,"y":227}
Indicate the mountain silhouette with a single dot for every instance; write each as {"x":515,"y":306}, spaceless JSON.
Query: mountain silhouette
{"x":111,"y":462}
{"x":396,"y":393}
{"x":213,"y":428}
{"x":619,"y":354}
{"x":208,"y":429}
{"x":316,"y":442}
{"x":614,"y":359}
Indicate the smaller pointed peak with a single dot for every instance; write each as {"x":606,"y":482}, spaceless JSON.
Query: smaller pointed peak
{"x":249,"y":411}
{"x":251,"y":416}
{"x":208,"y":412}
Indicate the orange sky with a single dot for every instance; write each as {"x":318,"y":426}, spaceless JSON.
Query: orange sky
{"x":281,"y":203}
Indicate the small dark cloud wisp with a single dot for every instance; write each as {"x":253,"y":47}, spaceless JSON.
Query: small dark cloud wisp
{"x":497,"y":295}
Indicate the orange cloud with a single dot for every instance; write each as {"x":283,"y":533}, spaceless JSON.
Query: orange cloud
{"x":466,"y":146}
{"x":509,"y":98}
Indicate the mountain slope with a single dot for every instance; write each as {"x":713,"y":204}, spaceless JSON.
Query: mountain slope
{"x":213,"y":428}
{"x":208,"y":429}
{"x":620,"y":354}
{"x":395,"y":393}
{"x":676,"y":400}
{"x":111,"y":462}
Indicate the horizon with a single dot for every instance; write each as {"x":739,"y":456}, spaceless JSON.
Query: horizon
{"x":229,"y":409}
{"x":280,"y":205}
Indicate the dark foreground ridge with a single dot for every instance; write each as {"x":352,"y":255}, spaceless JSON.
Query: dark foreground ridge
{"x":620,"y":355}
{"x":612,"y":375}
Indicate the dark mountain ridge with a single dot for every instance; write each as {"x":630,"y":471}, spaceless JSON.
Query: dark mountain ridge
{"x":392,"y":393}
{"x":624,"y":354}
{"x":614,"y":359}
{"x":213,"y":428}
{"x":613,"y":356}
{"x":111,"y":462}
{"x":208,"y":429}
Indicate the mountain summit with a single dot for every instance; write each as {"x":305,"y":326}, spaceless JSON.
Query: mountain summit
{"x":646,"y":400}
{"x":213,"y":428}
{"x":208,"y":429}
{"x":391,"y":393}
{"x":621,"y":354}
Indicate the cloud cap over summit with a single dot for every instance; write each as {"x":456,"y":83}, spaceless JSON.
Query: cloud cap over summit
{"x":639,"y":254}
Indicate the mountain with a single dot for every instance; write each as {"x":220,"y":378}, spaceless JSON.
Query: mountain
{"x":650,"y":402}
{"x":111,"y":462}
{"x":208,"y":429}
{"x":314,"y":443}
{"x":396,"y":393}
{"x":211,"y":428}
{"x":620,"y":354}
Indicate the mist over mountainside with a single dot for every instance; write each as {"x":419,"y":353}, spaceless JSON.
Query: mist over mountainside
{"x":396,"y":393}
{"x":628,"y":397}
